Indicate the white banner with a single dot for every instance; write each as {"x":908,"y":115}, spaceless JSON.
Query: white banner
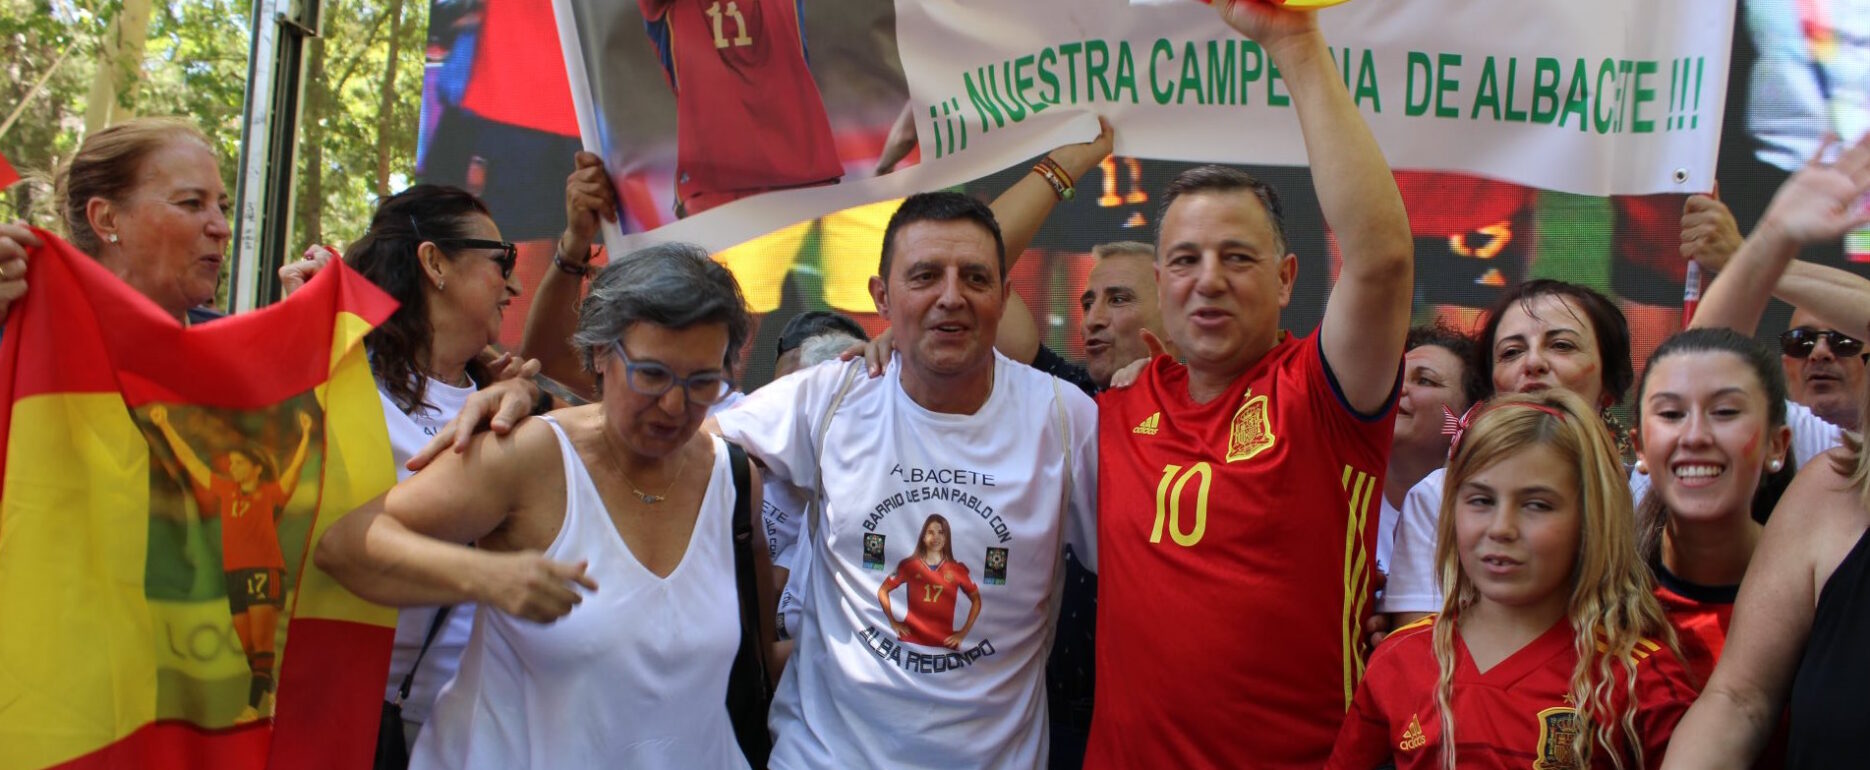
{"x":1595,"y":97}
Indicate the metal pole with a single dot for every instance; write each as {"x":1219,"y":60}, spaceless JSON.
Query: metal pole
{"x":268,"y":140}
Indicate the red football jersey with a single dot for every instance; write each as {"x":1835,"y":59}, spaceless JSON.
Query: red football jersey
{"x":519,"y":73}
{"x":1701,"y":616}
{"x":1516,"y":715}
{"x":931,"y":598}
{"x":1235,"y":543}
{"x":249,"y":537}
{"x":748,"y":114}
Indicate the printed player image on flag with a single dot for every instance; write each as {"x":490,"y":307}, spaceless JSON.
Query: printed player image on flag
{"x":161,"y":488}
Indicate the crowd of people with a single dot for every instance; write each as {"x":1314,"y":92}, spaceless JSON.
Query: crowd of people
{"x":1337,"y":549}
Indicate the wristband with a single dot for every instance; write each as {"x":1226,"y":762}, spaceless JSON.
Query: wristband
{"x":1055,"y":174}
{"x":579,"y":271}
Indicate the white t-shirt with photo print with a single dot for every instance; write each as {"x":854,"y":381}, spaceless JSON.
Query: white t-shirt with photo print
{"x":1012,"y":481}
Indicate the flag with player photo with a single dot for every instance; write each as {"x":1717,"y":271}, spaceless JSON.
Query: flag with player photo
{"x":161,"y":487}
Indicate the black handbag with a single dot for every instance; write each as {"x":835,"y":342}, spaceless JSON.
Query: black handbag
{"x":392,"y":744}
{"x":749,"y":687}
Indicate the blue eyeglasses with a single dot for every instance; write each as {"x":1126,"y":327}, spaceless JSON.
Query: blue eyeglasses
{"x":653,"y":379}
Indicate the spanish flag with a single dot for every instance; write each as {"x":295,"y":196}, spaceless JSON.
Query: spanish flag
{"x":161,"y":488}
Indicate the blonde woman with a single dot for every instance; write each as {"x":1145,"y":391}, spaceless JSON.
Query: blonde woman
{"x":1550,"y":642}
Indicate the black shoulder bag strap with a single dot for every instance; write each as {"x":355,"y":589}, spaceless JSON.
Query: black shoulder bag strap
{"x":749,"y":686}
{"x":435,"y":629}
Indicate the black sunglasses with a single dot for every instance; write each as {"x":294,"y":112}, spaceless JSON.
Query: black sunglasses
{"x":509,"y":253}
{"x":1799,"y":342}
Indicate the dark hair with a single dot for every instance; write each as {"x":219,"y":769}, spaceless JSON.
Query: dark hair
{"x":1224,"y":179}
{"x":386,"y":254}
{"x":1474,"y":387}
{"x":1608,"y":326}
{"x":672,"y":285}
{"x":106,"y":165}
{"x":1772,"y":379}
{"x":940,"y":207}
{"x":813,"y":323}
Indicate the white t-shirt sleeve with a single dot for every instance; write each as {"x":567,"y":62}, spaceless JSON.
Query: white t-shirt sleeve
{"x":778,"y":424}
{"x":1412,"y":586}
{"x":1811,"y":435}
{"x":1081,"y":511}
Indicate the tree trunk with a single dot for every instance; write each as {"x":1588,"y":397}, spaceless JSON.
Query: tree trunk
{"x":386,"y":115}
{"x":120,"y":60}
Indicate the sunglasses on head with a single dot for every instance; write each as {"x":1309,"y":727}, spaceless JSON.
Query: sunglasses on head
{"x":507,"y":259}
{"x":1799,"y":342}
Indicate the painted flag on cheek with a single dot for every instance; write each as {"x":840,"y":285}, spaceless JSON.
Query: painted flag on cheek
{"x":161,"y":489}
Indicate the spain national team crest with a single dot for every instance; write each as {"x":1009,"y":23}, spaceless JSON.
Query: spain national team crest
{"x":1252,"y":431}
{"x":1558,"y":731}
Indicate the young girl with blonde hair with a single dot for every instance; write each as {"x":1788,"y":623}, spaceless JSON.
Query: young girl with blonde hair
{"x":1550,"y":647}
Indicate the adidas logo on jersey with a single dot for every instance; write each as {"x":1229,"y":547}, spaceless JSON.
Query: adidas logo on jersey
{"x":1412,"y":737}
{"x":1148,"y":426}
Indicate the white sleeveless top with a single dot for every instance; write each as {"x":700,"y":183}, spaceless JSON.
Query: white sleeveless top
{"x":636,"y":675}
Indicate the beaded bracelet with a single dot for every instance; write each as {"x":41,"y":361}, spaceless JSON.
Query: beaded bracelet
{"x":1055,"y":174}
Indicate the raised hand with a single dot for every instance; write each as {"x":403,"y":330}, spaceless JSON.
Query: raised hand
{"x":1710,"y":235}
{"x":1264,"y":22}
{"x":589,"y":199}
{"x":1823,"y":201}
{"x":293,"y":275}
{"x":497,"y":407}
{"x":15,"y":239}
{"x":529,"y":585}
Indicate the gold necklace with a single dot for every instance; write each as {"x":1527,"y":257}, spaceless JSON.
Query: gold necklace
{"x":647,"y":498}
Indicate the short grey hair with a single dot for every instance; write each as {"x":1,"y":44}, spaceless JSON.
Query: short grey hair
{"x":672,"y":285}
{"x":1124,"y":248}
{"x":825,"y":347}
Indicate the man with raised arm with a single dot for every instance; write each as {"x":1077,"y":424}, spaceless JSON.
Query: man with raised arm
{"x":1237,"y":493}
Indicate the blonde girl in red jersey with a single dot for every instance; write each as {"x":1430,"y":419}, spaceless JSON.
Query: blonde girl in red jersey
{"x":1550,"y":649}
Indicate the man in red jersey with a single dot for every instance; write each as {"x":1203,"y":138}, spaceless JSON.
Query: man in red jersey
{"x":1236,"y":494}
{"x":748,"y":114}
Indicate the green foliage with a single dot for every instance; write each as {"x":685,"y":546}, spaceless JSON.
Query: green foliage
{"x":196,"y":65}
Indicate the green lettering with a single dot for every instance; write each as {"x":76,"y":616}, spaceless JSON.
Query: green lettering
{"x":1544,"y":89}
{"x":1022,"y":82}
{"x":1015,"y":111}
{"x":1273,"y":97}
{"x":1220,"y":72}
{"x":1126,"y":72}
{"x":1367,"y":83}
{"x":1252,"y":62}
{"x":1487,"y":94}
{"x":1444,"y":85}
{"x":1418,"y":62}
{"x":1048,"y":57}
{"x":983,"y":106}
{"x":1070,"y":52}
{"x":1096,"y":63}
{"x":1157,"y":52}
{"x":1512,"y":83}
{"x":1637,"y":123}
{"x":1577,"y":97}
{"x":1600,"y":121}
{"x":1191,"y":75}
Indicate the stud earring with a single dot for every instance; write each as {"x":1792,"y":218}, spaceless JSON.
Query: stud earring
{"x":1774,"y":465}
{"x":441,"y":285}
{"x":112,"y":238}
{"x":1642,"y":467}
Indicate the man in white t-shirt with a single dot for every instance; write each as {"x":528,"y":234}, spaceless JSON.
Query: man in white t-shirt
{"x":949,"y":486}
